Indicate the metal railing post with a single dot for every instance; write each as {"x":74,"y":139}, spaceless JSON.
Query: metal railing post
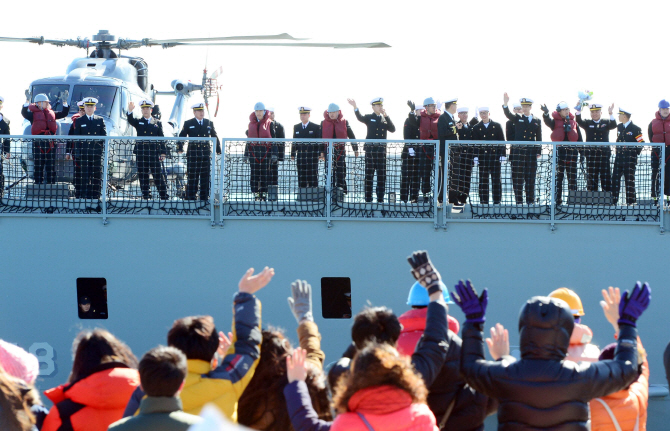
{"x":212,"y":167}
{"x":445,"y":184}
{"x":553,"y":185}
{"x":105,"y":177}
{"x":329,"y":176}
{"x":661,"y":197}
{"x":436,"y":185}
{"x":223,"y":166}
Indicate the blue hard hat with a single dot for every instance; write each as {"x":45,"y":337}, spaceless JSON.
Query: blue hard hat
{"x":259,"y":106}
{"x":428,"y":101}
{"x":41,"y":98}
{"x":663,"y":104}
{"x":333,"y":108}
{"x":418,"y":295}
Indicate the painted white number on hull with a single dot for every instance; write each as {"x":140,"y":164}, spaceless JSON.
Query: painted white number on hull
{"x":45,"y":354}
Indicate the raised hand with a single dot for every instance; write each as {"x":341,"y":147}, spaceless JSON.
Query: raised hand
{"x":131,"y":106}
{"x":295,"y":365}
{"x":633,"y":305}
{"x":251,"y":283}
{"x":352,"y":102}
{"x":611,"y":109}
{"x":224,"y":343}
{"x":411,"y":105}
{"x":300,"y":301}
{"x":545,"y":109}
{"x":424,"y":271}
{"x":610,"y":305}
{"x":498,"y":344}
{"x":473,"y":306}
{"x":506,"y":99}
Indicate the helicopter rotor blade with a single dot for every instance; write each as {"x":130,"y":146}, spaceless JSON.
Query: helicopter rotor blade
{"x":300,"y":44}
{"x":216,"y":73}
{"x":81,"y":43}
{"x":282,"y":36}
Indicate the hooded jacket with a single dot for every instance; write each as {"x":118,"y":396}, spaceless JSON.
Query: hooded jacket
{"x":385,"y":408}
{"x":470,"y":407}
{"x":92,"y":403}
{"x":542,"y":390}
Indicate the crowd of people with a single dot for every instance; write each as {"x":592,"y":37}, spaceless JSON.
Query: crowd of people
{"x":407,"y":372}
{"x":424,"y":122}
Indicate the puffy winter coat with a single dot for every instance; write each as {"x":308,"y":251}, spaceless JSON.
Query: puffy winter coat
{"x":581,"y":349}
{"x":386,"y":408}
{"x":628,"y":406}
{"x":428,"y":125}
{"x":92,"y":403}
{"x":558,"y":132}
{"x":44,"y":121}
{"x":542,"y":390}
{"x":659,"y":131}
{"x":470,"y":407}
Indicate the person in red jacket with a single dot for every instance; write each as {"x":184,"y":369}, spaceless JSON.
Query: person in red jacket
{"x":260,"y":155}
{"x":334,"y":126}
{"x":104,"y":376}
{"x":43,"y":121}
{"x":659,"y":131}
{"x":427,"y":124}
{"x":564,"y":128}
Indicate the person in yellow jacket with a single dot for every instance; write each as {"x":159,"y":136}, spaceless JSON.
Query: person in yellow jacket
{"x":197,"y":337}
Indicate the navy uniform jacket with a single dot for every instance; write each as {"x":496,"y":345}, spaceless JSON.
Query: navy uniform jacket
{"x":145,"y":128}
{"x":596,"y":132}
{"x":509,"y":130}
{"x":493,"y":132}
{"x":193,"y":129}
{"x":378,"y":125}
{"x":90,"y":127}
{"x":465,"y":133}
{"x":281,"y":146}
{"x":525,"y":130}
{"x":302,"y":136}
{"x":446,"y":127}
{"x":628,"y":134}
{"x":4,"y":130}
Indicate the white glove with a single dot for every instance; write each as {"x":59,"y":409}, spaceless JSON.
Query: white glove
{"x":503,"y":159}
{"x":411,"y":152}
{"x":476,"y":160}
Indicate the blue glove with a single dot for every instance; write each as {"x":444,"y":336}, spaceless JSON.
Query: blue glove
{"x":424,"y":271}
{"x":473,"y":307}
{"x":633,"y":305}
{"x":578,"y":107}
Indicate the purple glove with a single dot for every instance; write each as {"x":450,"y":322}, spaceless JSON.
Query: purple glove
{"x":632,"y":306}
{"x":473,"y":306}
{"x":424,"y":271}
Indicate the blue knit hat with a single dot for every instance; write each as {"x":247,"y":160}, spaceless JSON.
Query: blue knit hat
{"x":428,"y":101}
{"x":663,"y":104}
{"x":259,"y":106}
{"x":418,"y":295}
{"x":333,"y":108}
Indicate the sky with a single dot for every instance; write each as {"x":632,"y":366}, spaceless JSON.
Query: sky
{"x":476,"y":51}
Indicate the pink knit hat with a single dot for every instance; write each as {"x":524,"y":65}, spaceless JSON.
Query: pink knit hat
{"x":18,"y":363}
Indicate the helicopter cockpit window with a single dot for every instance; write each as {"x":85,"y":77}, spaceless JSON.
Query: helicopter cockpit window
{"x":57,"y":94}
{"x":104,"y":94}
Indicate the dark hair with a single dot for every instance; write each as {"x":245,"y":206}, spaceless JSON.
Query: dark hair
{"x":97,"y":347}
{"x":196,"y":336}
{"x":14,"y":413}
{"x":448,"y":105}
{"x":263,"y":405}
{"x":379,"y":364}
{"x":375,"y":324}
{"x":162,"y":371}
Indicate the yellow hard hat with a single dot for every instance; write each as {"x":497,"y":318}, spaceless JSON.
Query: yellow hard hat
{"x":569,"y":296}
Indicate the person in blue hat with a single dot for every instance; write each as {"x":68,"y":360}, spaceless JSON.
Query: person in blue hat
{"x":659,"y":132}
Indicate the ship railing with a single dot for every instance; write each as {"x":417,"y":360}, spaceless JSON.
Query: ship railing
{"x":326,"y":179}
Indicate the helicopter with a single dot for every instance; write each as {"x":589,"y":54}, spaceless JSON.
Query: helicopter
{"x":115,"y":80}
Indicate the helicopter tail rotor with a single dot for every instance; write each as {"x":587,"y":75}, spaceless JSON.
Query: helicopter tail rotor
{"x":211,"y":87}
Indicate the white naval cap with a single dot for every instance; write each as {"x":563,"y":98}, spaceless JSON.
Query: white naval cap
{"x":463,"y":109}
{"x":146,"y":103}
{"x":377,"y":101}
{"x":2,"y":99}
{"x":526,"y":101}
{"x":451,"y":100}
{"x":80,"y":103}
{"x":516,"y":105}
{"x":417,"y":107}
{"x":304,"y":109}
{"x":562,"y":105}
{"x":90,"y":101}
{"x":595,"y":106}
{"x":624,"y":111}
{"x":269,"y":109}
{"x":483,"y":109}
{"x":197,"y":106}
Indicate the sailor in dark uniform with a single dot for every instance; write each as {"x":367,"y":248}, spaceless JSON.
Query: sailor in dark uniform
{"x":69,"y":151}
{"x":509,"y":125}
{"x":89,"y":153}
{"x":597,"y":156}
{"x":149,"y":154}
{"x":199,"y":153}
{"x":6,"y":151}
{"x":625,"y":160}
{"x":378,"y":124}
{"x":489,"y":157}
{"x":409,"y":171}
{"x":447,"y":127}
{"x":524,"y":157}
{"x":306,"y":154}
{"x":463,"y":172}
{"x":279,"y":148}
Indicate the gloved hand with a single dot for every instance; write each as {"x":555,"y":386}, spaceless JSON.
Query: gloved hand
{"x":578,"y":107}
{"x":411,"y":152}
{"x":503,"y":159}
{"x":473,"y":306}
{"x":424,"y":271}
{"x":476,"y":160}
{"x":273,"y":159}
{"x":301,"y":301}
{"x":545,"y":109}
{"x":411,"y":105}
{"x":633,"y":305}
